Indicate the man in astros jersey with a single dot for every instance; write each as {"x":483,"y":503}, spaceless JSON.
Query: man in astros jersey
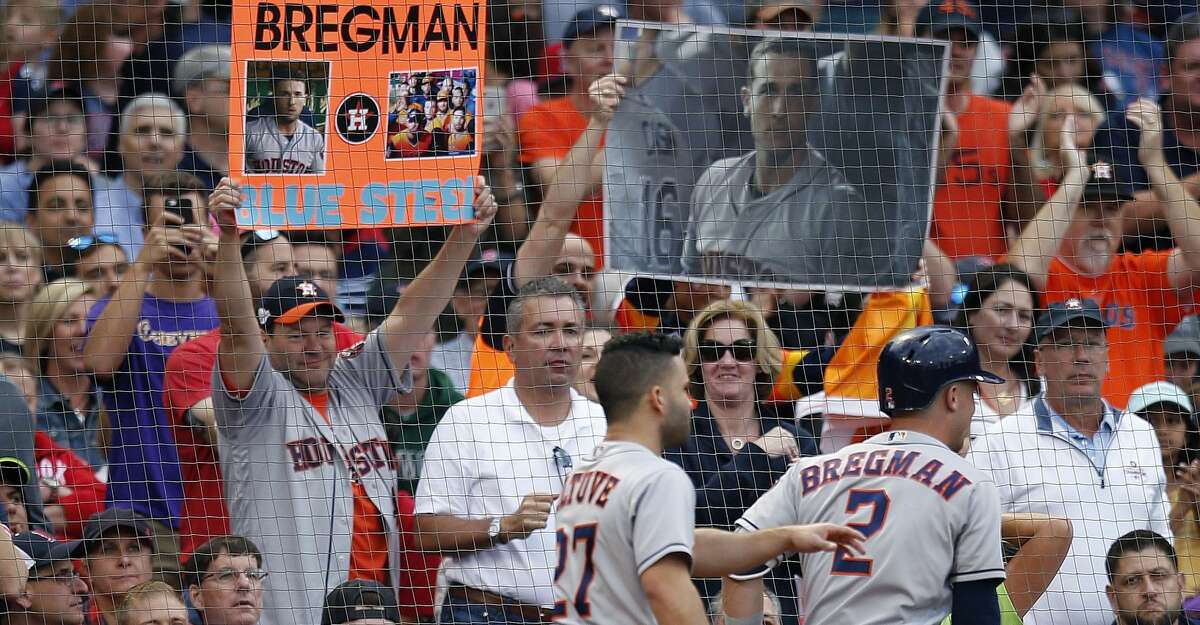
{"x":280,"y":143}
{"x":308,"y":470}
{"x":627,"y":544}
{"x":932,"y":520}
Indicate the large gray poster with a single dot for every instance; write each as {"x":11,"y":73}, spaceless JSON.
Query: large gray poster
{"x":772,"y":159}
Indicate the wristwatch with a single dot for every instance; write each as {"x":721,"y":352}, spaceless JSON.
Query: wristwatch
{"x":494,"y":531}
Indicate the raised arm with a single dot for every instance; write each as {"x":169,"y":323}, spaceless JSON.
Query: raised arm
{"x":568,"y":187}
{"x":108,"y":340}
{"x":1025,"y":194}
{"x":1180,"y":208}
{"x":241,"y":349}
{"x":1041,"y":237}
{"x":719,"y":552}
{"x":422,"y":301}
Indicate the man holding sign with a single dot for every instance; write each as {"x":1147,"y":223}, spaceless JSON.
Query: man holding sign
{"x":280,"y":142}
{"x":307,"y":464}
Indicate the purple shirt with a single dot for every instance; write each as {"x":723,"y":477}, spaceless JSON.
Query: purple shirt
{"x":142,"y":459}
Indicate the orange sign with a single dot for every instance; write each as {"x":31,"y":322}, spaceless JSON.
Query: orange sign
{"x":356,"y":115}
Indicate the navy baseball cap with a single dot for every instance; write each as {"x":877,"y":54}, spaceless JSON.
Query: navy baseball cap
{"x":293,"y":298}
{"x":45,"y":550}
{"x":940,"y":16}
{"x":39,"y":105}
{"x":1070,"y":313}
{"x":486,"y":258}
{"x":1103,"y":185}
{"x":589,"y":21}
{"x":103,"y":522}
{"x":359,"y":599}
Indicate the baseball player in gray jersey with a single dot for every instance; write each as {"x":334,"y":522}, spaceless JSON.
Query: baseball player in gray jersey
{"x":781,"y":212}
{"x":627,"y":545}
{"x":932,"y":520}
{"x":281,"y":143}
{"x":305,"y":458}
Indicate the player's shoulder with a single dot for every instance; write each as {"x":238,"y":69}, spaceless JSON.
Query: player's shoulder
{"x":726,"y":168}
{"x":260,"y":124}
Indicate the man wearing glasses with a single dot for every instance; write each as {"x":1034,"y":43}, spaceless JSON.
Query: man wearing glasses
{"x":1075,"y":456}
{"x":55,"y":593}
{"x":224,"y":580}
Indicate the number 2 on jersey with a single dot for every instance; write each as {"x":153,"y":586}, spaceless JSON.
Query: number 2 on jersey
{"x":843,"y":562}
{"x":567,"y":545}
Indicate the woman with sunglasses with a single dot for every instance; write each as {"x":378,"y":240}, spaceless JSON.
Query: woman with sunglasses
{"x":741,"y":443}
{"x":100,"y":261}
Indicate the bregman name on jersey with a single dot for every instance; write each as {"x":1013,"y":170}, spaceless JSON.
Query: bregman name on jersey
{"x":896,"y":463}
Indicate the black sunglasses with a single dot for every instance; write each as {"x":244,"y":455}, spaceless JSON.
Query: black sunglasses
{"x":88,"y":241}
{"x":712,"y":351}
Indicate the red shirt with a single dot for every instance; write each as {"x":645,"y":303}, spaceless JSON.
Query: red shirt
{"x":967,"y":217}
{"x":188,"y":381}
{"x":67,"y":469}
{"x":1141,"y":307}
{"x":7,"y":136}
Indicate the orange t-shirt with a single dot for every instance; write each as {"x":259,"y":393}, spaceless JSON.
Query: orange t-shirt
{"x":548,"y":130}
{"x":1140,"y":306}
{"x":490,"y":369}
{"x":369,"y":547}
{"x":967,"y":220}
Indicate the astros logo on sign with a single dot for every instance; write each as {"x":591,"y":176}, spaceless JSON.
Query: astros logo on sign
{"x":357,"y":118}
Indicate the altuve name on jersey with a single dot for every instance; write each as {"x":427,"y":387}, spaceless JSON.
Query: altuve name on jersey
{"x":896,"y":463}
{"x":588,"y":487}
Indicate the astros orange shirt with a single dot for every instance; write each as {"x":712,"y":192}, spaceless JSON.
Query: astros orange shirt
{"x":548,"y":130}
{"x":967,"y":217}
{"x":1140,"y":306}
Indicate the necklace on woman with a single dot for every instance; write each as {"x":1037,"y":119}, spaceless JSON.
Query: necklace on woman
{"x":1007,"y":398}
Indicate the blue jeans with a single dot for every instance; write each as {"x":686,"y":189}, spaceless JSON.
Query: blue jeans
{"x":458,"y":611}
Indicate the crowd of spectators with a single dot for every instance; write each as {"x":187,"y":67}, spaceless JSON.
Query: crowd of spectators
{"x":204,"y":425}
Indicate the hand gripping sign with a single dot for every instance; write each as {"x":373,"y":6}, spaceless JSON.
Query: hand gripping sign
{"x":356,"y":115}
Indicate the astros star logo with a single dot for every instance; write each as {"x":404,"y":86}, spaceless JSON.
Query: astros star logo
{"x":357,"y":118}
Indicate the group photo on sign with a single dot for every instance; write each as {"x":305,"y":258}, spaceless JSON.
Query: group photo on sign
{"x":782,"y":159}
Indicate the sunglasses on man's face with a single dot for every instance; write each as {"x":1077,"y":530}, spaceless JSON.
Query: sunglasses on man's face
{"x":713,"y":351}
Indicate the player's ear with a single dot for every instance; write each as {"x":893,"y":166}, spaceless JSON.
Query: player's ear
{"x":507,"y":345}
{"x":746,"y":101}
{"x":1111,"y":593}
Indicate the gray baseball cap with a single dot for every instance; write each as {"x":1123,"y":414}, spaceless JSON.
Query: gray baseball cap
{"x":1185,"y":338}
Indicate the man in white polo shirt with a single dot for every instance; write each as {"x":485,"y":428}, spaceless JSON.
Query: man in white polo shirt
{"x":496,"y":462}
{"x":1074,"y":456}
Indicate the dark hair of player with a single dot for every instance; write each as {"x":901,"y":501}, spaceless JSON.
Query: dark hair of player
{"x":630,"y":366}
{"x":787,"y":48}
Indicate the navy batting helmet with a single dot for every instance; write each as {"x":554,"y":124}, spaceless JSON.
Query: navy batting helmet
{"x":918,"y":363}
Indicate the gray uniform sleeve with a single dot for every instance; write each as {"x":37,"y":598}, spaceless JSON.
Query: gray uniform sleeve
{"x":663,"y":518}
{"x":318,"y":162}
{"x":977,"y":552}
{"x":368,"y":365}
{"x":776,"y":508}
{"x":240,"y":411}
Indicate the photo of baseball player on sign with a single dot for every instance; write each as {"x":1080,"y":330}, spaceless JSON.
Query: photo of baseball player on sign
{"x":431,"y":114}
{"x":286,"y":112}
{"x":802,"y":161}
